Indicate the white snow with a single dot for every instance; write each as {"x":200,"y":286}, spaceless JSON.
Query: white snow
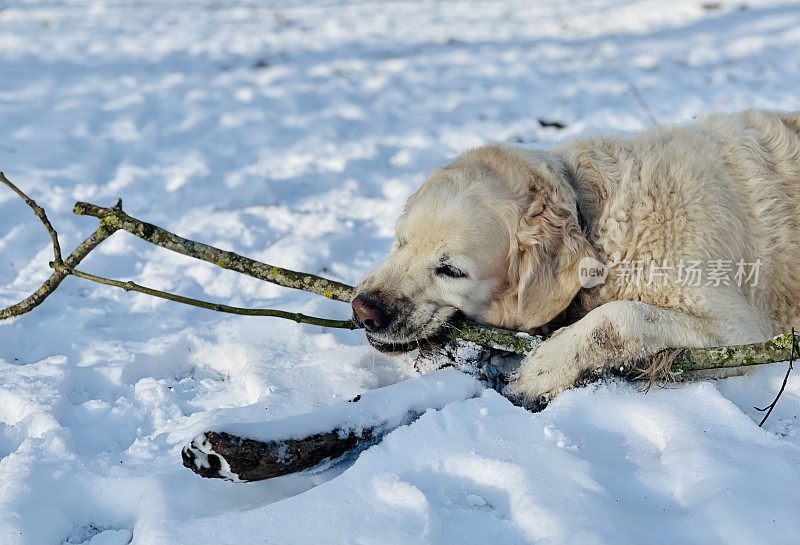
{"x":388,"y":406}
{"x":293,"y":132}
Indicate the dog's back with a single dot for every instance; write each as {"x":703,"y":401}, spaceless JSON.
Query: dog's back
{"x":723,"y":191}
{"x":762,"y":153}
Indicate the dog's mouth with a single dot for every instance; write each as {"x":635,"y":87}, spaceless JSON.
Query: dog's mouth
{"x":394,"y":347}
{"x":431,"y":336}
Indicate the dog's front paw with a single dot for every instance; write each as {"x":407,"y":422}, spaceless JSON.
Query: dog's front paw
{"x":535,"y":386}
{"x":544,"y":374}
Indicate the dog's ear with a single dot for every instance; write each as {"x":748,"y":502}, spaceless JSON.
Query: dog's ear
{"x":548,"y":234}
{"x":549,"y":244}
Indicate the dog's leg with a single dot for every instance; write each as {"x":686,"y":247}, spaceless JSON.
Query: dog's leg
{"x":614,"y":334}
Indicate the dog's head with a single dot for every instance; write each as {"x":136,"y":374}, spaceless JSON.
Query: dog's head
{"x":494,"y":235}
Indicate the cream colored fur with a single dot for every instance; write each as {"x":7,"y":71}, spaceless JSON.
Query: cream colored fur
{"x":726,"y":187}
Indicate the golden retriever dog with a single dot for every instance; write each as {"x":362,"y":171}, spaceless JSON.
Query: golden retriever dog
{"x":681,"y":236}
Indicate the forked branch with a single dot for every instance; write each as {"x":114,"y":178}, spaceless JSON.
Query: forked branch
{"x":61,"y":267}
{"x":66,"y":267}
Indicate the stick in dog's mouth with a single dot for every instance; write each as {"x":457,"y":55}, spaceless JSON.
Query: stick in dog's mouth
{"x":435,"y":338}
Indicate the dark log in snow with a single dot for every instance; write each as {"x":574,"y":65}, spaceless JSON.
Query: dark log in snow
{"x":261,"y":450}
{"x":221,"y":455}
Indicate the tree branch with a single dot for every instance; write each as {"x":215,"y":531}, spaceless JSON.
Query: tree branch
{"x":117,"y":219}
{"x":295,"y":317}
{"x":63,"y":268}
{"x":40,"y":213}
{"x":49,"y":286}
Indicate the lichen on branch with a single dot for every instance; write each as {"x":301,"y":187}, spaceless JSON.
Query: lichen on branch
{"x":117,"y":219}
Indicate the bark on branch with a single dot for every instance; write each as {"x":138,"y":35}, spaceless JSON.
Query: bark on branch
{"x":63,"y":268}
{"x":116,"y":219}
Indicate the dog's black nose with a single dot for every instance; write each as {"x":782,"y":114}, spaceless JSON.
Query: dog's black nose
{"x":369,"y":314}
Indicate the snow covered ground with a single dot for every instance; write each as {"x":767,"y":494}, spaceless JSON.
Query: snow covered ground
{"x":293,"y":132}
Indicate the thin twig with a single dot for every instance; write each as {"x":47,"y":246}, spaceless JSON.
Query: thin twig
{"x":49,"y":286}
{"x":637,"y":95}
{"x":771,"y":406}
{"x":295,"y":317}
{"x":40,"y":213}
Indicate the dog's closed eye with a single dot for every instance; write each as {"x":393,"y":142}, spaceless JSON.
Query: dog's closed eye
{"x":450,"y":271}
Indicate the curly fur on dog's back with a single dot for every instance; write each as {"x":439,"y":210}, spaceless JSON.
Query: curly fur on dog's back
{"x":724,"y":188}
